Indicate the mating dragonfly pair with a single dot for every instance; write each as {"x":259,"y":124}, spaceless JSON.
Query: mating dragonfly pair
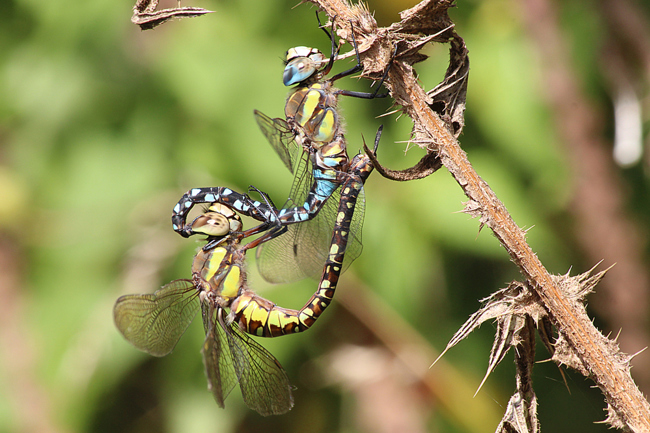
{"x":318,"y":230}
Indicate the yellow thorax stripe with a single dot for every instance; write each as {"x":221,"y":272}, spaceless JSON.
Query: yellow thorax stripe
{"x":214,"y":262}
{"x":309,"y":105}
{"x":325,"y":131}
{"x":231,"y":283}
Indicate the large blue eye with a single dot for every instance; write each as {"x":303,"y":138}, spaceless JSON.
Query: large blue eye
{"x":298,"y":70}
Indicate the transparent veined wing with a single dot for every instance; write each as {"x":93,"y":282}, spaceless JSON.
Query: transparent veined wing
{"x":302,"y":251}
{"x":279,"y":135}
{"x":155,"y":322}
{"x":217,"y":358}
{"x":231,"y":357}
{"x":264,"y":383}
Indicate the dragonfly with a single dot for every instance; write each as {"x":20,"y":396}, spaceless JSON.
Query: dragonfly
{"x":231,"y":311}
{"x":311,"y":143}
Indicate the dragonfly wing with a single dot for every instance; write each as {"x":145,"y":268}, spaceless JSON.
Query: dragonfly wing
{"x":217,"y":357}
{"x":155,"y":322}
{"x":279,"y":135}
{"x":276,"y":259}
{"x":313,"y":239}
{"x":264,"y":383}
{"x":303,"y":250}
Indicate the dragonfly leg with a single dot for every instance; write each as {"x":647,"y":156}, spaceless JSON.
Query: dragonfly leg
{"x":321,"y":190}
{"x":270,"y":234}
{"x":335,"y":49}
{"x":357,"y":68}
{"x":264,"y":196}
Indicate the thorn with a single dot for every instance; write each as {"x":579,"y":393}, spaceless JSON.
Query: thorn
{"x":481,"y":385}
{"x":438,"y":358}
{"x":388,"y":113}
{"x":637,"y":353}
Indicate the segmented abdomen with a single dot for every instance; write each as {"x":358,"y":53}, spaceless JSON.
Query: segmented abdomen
{"x":259,"y":316}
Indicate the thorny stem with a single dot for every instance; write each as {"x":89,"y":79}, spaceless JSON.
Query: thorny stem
{"x":602,"y":361}
{"x":604,"y":230}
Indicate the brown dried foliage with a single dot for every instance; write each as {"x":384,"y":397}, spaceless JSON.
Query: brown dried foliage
{"x":544,"y":302}
{"x":147,"y":17}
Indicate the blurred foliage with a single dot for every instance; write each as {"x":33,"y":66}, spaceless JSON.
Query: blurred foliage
{"x":103,"y":127}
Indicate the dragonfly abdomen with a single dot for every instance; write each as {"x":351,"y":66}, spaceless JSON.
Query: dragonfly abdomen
{"x":259,"y":316}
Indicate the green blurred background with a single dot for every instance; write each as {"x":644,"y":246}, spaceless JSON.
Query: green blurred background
{"x":103,"y":127}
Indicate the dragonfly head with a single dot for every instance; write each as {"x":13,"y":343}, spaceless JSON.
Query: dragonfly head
{"x":302,"y":63}
{"x":218,"y":220}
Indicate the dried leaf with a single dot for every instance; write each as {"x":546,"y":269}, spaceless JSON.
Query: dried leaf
{"x":521,"y":413}
{"x":497,"y":305}
{"x":520,"y":416}
{"x":448,"y":97}
{"x":579,"y":286}
{"x":428,"y":165}
{"x":427,"y":17}
{"x":508,"y":327}
{"x":147,"y":17}
{"x":430,"y":18}
{"x":545,"y":331}
{"x":150,"y":20}
{"x":145,"y":6}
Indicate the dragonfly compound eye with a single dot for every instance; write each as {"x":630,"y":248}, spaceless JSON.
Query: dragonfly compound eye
{"x":302,"y":63}
{"x":298,"y":70}
{"x":295,"y":52}
{"x":211,"y":224}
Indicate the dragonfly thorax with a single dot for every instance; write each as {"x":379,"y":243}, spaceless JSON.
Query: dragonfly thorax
{"x":314,"y":109}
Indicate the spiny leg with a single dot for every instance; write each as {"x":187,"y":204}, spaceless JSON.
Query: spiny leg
{"x":335,"y":49}
{"x":356,"y":68}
